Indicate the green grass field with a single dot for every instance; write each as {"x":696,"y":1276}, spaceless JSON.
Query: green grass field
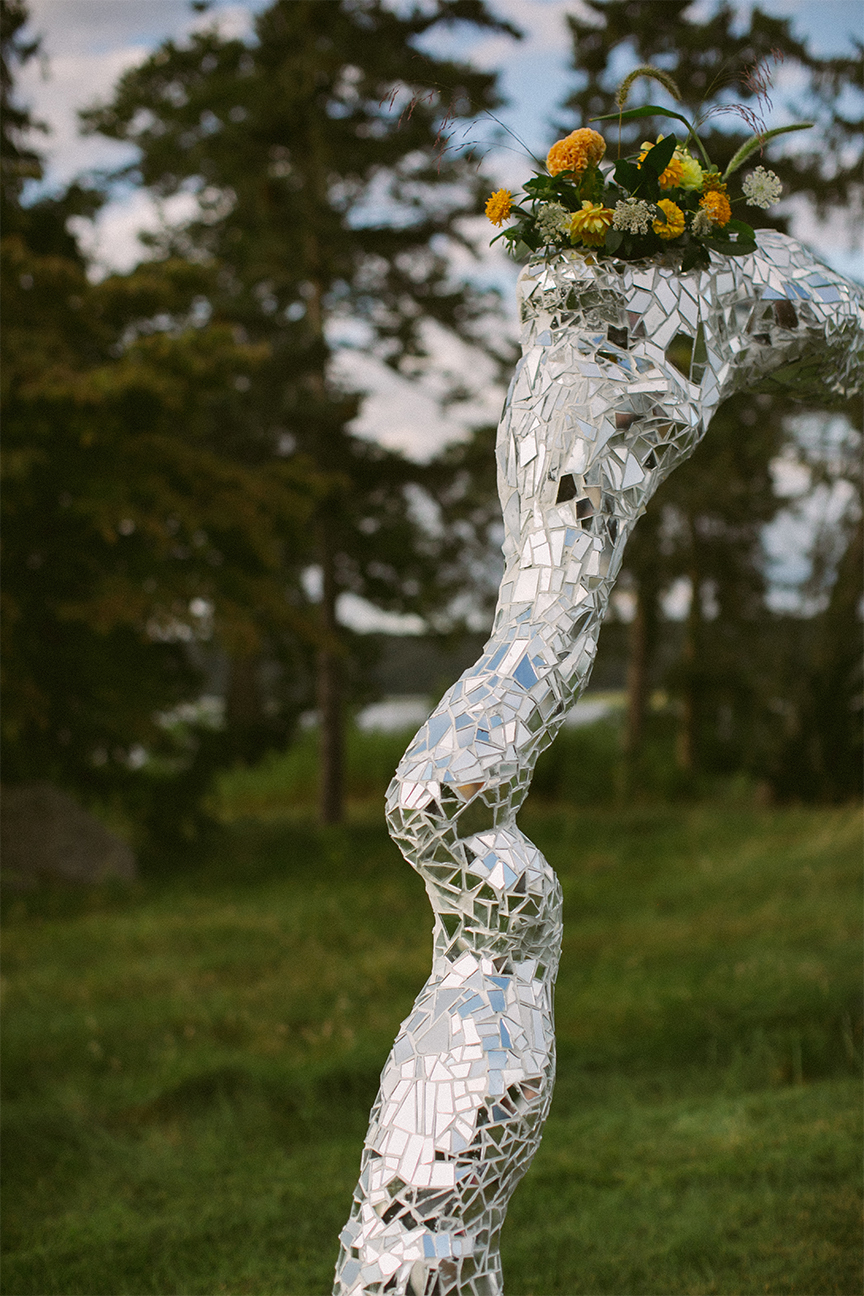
{"x":189,"y":1063}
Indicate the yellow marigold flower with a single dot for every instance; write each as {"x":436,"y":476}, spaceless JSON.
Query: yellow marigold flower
{"x":674,"y":222}
{"x":574,"y":153}
{"x":716,"y":204}
{"x":499,"y":205}
{"x":589,"y":225}
{"x":712,"y":182}
{"x":692,"y":174}
{"x":671,"y":177}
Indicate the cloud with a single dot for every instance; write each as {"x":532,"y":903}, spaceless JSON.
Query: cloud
{"x":94,"y":26}
{"x":98,"y":26}
{"x":112,"y":239}
{"x":57,"y":90}
{"x":405,"y":414}
{"x":86,"y":46}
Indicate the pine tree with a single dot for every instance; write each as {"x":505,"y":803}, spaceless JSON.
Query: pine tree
{"x":326,"y":195}
{"x":705,"y":523}
{"x":127,"y":539}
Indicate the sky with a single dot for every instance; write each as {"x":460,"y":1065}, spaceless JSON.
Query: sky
{"x":87,"y":44}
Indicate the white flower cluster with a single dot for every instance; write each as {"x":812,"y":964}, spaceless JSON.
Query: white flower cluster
{"x":553,"y":220}
{"x":634,"y":215}
{"x":762,"y":188}
{"x":702,"y":221}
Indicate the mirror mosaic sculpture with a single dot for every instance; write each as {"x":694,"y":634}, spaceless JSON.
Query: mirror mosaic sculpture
{"x":623,"y":366}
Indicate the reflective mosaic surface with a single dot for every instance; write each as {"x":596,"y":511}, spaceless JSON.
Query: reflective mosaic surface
{"x":623,"y":366}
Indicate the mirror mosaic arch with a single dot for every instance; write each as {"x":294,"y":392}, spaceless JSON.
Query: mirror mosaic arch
{"x":623,"y":366}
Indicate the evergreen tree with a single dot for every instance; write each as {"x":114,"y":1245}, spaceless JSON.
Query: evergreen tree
{"x":326,"y":197}
{"x":706,"y":521}
{"x":815,"y":747}
{"x":127,"y":537}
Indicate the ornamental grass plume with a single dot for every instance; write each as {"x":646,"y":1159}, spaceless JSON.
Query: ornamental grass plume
{"x":673,"y":225}
{"x":578,"y":150}
{"x":499,"y":205}
{"x":716,"y":204}
{"x":652,"y":74}
{"x":589,"y":225}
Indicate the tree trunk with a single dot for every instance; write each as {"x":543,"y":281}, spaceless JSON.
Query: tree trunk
{"x":642,"y":639}
{"x":329,"y":687}
{"x":242,"y":696}
{"x":331,"y":741}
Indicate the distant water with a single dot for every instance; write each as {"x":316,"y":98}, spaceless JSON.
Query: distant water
{"x":394,"y":713}
{"x":407,"y":710}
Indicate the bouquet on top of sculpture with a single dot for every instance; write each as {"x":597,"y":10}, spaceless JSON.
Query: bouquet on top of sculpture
{"x":665,"y":198}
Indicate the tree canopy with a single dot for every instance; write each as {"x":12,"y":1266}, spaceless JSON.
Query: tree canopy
{"x":129,"y":534}
{"x":325,"y":204}
{"x":706,"y":524}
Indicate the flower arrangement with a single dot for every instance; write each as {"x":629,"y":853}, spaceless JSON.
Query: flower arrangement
{"x":663,"y":198}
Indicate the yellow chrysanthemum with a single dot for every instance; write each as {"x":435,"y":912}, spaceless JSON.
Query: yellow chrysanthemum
{"x":716,"y":204}
{"x":589,"y":225}
{"x":674,"y":222}
{"x":574,"y":153}
{"x":671,"y":177}
{"x":499,"y":205}
{"x":692,"y":174}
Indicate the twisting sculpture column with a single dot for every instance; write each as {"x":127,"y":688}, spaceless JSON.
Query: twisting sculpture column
{"x":598,"y":414}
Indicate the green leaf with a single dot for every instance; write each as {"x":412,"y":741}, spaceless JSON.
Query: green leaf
{"x":648,"y":110}
{"x":540,"y":184}
{"x":757,"y":142}
{"x":614,"y":239}
{"x":658,"y":158}
{"x":649,"y":188}
{"x":741,"y":228}
{"x":654,"y":110}
{"x":695,"y":255}
{"x":741,"y":247}
{"x":627,"y":175}
{"x":631,"y":114}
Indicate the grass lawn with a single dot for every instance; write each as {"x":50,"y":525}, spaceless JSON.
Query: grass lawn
{"x":189,"y":1063}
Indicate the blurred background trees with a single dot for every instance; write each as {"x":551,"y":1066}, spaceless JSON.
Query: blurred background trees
{"x":737,"y":706}
{"x":325,"y":204}
{"x":186,"y":499}
{"x":130,"y":535}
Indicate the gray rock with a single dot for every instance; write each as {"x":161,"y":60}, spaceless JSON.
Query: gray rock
{"x":45,"y":834}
